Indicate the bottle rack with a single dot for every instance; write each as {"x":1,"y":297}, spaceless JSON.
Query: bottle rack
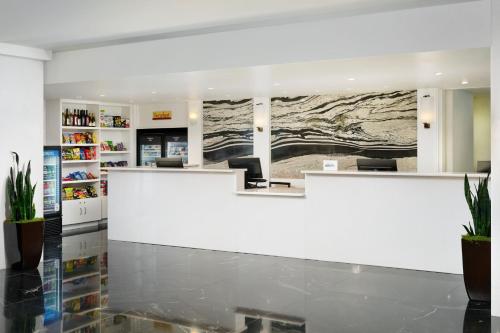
{"x":81,"y":208}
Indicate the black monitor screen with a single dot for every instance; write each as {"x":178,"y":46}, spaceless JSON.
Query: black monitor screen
{"x":376,"y":164}
{"x":252,"y":164}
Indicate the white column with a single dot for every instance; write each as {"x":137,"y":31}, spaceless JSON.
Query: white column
{"x":495,"y":159}
{"x":430,"y":141}
{"x":195,"y":132}
{"x":262,"y":139}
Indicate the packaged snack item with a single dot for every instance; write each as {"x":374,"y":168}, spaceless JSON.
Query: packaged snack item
{"x":78,"y":138}
{"x":69,"y":193}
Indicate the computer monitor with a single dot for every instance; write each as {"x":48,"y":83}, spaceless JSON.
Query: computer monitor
{"x":376,"y":164}
{"x":253,"y":171}
{"x":169,"y":162}
{"x":484,"y":166}
{"x":252,"y":164}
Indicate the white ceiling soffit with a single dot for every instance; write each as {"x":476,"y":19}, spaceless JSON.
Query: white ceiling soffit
{"x":442,"y":69}
{"x":65,"y":25}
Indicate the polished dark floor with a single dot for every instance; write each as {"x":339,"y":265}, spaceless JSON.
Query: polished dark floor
{"x":87,"y":284}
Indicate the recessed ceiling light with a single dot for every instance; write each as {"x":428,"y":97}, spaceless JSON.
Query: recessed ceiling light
{"x":276,"y":84}
{"x":102,"y":95}
{"x":464,"y":82}
{"x":153,"y":92}
{"x":438,"y":73}
{"x":351,"y":79}
{"x":211,"y":88}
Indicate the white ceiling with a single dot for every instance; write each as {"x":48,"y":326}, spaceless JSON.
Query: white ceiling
{"x":406,"y":71}
{"x":63,"y":24}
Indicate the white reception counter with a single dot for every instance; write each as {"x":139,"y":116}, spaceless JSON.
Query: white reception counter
{"x":403,"y":220}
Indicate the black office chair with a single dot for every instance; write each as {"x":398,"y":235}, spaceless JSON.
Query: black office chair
{"x":253,"y":173}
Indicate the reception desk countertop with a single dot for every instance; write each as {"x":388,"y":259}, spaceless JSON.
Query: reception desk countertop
{"x":394,"y":174}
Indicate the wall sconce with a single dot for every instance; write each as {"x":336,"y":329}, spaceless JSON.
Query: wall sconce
{"x":426,"y":116}
{"x":193,"y":116}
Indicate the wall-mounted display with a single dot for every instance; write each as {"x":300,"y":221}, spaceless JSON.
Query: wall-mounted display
{"x":227,"y":131}
{"x":306,"y":130}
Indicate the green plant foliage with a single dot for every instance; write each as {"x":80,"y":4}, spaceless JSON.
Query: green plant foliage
{"x":480,"y":208}
{"x":20,"y":192}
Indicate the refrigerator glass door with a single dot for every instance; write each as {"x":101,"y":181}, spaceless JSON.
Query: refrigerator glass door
{"x":51,"y":182}
{"x":177,"y":149}
{"x":150,"y":149}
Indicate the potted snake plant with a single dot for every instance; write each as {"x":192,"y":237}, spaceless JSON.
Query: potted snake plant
{"x":476,"y":243}
{"x":23,"y":231}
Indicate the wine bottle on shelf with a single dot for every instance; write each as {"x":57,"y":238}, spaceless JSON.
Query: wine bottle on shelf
{"x":87,"y":118}
{"x":73,"y":118}
{"x":66,"y":118}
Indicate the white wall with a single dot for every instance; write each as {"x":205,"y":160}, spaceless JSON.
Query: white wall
{"x":179,"y":115}
{"x":430,"y":150}
{"x":21,"y":128}
{"x":262,"y":140}
{"x":495,"y":161}
{"x":460,"y":26}
{"x":195,"y":132}
{"x":482,"y":130}
{"x":459,"y":131}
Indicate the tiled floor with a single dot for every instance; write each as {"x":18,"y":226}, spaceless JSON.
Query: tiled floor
{"x":114,"y":286}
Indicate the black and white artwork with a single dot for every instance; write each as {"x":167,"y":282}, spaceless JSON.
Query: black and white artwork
{"x":227,"y":131}
{"x":306,"y":130}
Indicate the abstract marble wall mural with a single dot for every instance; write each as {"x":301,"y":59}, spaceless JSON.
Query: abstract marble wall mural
{"x":306,"y":130}
{"x":227,"y":131}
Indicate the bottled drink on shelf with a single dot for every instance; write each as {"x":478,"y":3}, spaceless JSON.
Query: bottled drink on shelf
{"x":87,"y":118}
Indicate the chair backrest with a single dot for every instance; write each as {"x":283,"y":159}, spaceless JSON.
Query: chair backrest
{"x":484,"y":166}
{"x":169,"y":162}
{"x":376,"y":164}
{"x":251,"y":164}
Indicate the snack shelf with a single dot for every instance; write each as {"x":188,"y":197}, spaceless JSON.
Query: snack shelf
{"x":79,"y":145}
{"x":71,"y":128}
{"x":105,"y":152}
{"x":115,"y":128}
{"x":80,"y":323}
{"x":83,"y":312}
{"x":79,"y":161}
{"x":85,"y":181}
{"x":80,"y":293}
{"x":80,"y":276}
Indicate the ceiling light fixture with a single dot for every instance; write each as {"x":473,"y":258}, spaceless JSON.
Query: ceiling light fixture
{"x":154,"y":92}
{"x":211,"y":88}
{"x":465,"y":82}
{"x":276,"y":84}
{"x":351,"y":79}
{"x":438,"y":73}
{"x":102,"y":95}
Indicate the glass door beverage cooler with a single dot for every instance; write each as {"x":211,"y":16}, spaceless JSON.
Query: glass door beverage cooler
{"x":163,"y":142}
{"x":52,"y":190}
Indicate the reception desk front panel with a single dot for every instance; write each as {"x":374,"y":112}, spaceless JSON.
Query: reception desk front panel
{"x":398,"y":220}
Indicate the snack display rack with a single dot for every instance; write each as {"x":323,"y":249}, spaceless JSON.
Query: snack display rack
{"x":89,"y":150}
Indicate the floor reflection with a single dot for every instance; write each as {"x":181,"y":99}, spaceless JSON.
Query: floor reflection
{"x":147,"y":288}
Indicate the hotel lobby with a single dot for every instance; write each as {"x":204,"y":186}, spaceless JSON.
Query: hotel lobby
{"x":258,"y":167}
